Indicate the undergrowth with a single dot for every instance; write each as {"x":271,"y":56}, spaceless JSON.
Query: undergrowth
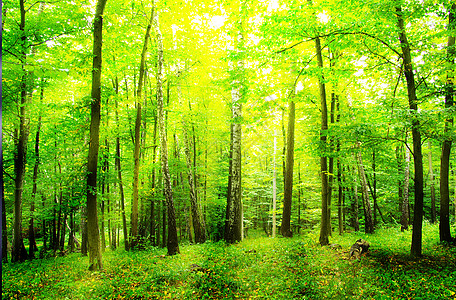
{"x":257,"y":268}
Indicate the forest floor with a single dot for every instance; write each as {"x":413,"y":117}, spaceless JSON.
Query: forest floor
{"x":256,"y":268}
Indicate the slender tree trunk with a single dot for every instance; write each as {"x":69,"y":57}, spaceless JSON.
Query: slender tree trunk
{"x":417,"y":154}
{"x":285,"y":227}
{"x":431,"y":183}
{"x":121,"y":191}
{"x":119,"y":176}
{"x":172,"y":244}
{"x":405,"y":208}
{"x":274,"y":189}
{"x":84,"y":242}
{"x":355,"y":205}
{"x":368,"y":221}
{"x":95,"y":259}
{"x":197,"y":220}
{"x":32,"y":240}
{"x":4,"y":232}
{"x":445,"y":232}
{"x":18,"y":249}
{"x":134,"y":209}
{"x":324,"y":232}
{"x":374,"y":187}
{"x":234,"y":231}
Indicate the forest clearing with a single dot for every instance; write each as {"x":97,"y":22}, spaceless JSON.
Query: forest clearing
{"x":228,"y":149}
{"x":257,"y":268}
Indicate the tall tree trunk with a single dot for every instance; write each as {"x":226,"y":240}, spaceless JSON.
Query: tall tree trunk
{"x":285,"y":227}
{"x":172,"y":244}
{"x":152,"y":225}
{"x":4,"y":232}
{"x":234,"y":223}
{"x":83,"y":228}
{"x":18,"y":249}
{"x":324,"y":232}
{"x":134,"y":208}
{"x":32,"y":240}
{"x":431,"y":183}
{"x":355,"y":204}
{"x":197,"y":220}
{"x":405,"y":208}
{"x":374,"y":187}
{"x":417,"y":154}
{"x":368,"y":221}
{"x":95,"y":259}
{"x":119,"y":176}
{"x":274,"y":189}
{"x":445,"y":232}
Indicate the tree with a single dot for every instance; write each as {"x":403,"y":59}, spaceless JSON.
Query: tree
{"x":445,"y":232}
{"x":172,"y":243}
{"x":288,"y":193}
{"x":95,"y":259}
{"x":234,"y":220}
{"x":324,"y":226}
{"x":32,"y":240}
{"x":135,"y":212}
{"x":368,"y":221}
{"x":197,"y":220}
{"x":18,"y":251}
{"x":405,"y":207}
{"x":416,"y":136}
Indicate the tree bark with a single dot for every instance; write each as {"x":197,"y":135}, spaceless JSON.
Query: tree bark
{"x":32,"y":240}
{"x":197,"y":220}
{"x":285,"y":227}
{"x":234,"y":222}
{"x":445,"y":231}
{"x":172,"y":243}
{"x":18,"y":249}
{"x":417,"y":153}
{"x":368,"y":221}
{"x":134,"y":209}
{"x":119,"y":176}
{"x":355,"y":205}
{"x":405,"y":208}
{"x":324,"y":232}
{"x":274,"y":189}
{"x":4,"y":232}
{"x":431,"y":183}
{"x":95,"y":259}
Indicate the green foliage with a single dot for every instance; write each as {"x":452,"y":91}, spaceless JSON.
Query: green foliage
{"x":257,"y":268}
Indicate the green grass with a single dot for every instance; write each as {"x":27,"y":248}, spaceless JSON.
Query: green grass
{"x":257,"y":268}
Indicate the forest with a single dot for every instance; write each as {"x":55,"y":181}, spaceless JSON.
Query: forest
{"x":228,"y":149}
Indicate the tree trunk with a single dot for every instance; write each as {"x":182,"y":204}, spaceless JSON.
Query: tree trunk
{"x":274,"y":189}
{"x":4,"y":232}
{"x":234,"y":220}
{"x":355,"y":205}
{"x":153,"y":239}
{"x":172,"y":244}
{"x":119,"y":176}
{"x":83,"y":231}
{"x":32,"y":240}
{"x":197,"y":220}
{"x":18,"y":249}
{"x":417,"y":154}
{"x":324,"y":232}
{"x":368,"y":222}
{"x":431,"y":183}
{"x":95,"y":259}
{"x":134,"y":208}
{"x":445,"y":231}
{"x":285,"y":227}
{"x":405,"y":208}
